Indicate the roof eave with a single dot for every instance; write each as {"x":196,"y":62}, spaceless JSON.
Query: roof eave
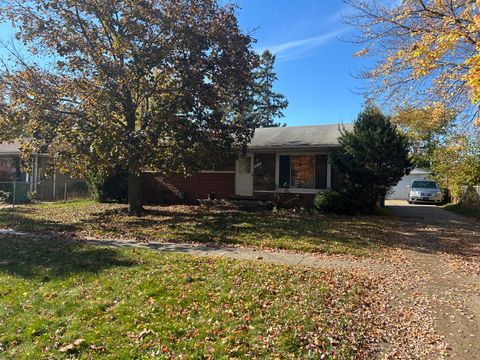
{"x":300,"y":147}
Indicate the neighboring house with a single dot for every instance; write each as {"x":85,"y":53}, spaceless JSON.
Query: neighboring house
{"x":288,"y":160}
{"x":10,"y":162}
{"x":45,"y":187}
{"x":401,"y":190}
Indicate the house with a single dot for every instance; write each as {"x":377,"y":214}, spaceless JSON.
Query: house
{"x":10,"y":162}
{"x":291,"y":161}
{"x":401,"y":190}
{"x":44,"y":186}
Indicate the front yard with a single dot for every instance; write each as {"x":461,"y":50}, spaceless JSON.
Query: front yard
{"x":63,"y":299}
{"x":358,"y":236}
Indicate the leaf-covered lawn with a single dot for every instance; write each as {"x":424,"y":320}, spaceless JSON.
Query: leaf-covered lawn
{"x":358,"y":236}
{"x":63,"y":298}
{"x":461,"y":210}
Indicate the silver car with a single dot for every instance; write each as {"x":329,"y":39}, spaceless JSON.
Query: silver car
{"x":425,"y":191}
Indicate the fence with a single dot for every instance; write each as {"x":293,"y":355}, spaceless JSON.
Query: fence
{"x":18,"y":192}
{"x":470,"y":196}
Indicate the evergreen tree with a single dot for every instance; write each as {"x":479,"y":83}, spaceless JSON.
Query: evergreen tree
{"x":372,"y":158}
{"x":268,"y":105}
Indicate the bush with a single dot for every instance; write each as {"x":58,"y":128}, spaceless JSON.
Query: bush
{"x":114,"y":187}
{"x":333,"y":202}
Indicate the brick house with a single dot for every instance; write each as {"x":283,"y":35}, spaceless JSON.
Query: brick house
{"x":291,"y":161}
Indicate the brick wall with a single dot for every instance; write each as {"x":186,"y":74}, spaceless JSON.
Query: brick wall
{"x":192,"y":188}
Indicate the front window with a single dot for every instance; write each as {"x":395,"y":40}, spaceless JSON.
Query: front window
{"x":302,"y":172}
{"x":424,"y":185}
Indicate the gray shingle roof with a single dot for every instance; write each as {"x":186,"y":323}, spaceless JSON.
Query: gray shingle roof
{"x":10,"y":148}
{"x":298,"y":136}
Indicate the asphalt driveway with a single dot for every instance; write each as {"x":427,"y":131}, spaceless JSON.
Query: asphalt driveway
{"x":445,"y":250}
{"x":430,"y":214}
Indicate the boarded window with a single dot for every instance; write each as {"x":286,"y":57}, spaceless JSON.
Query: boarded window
{"x":264,"y":172}
{"x":302,"y":171}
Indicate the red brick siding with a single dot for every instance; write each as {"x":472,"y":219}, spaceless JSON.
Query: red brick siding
{"x":193,"y":187}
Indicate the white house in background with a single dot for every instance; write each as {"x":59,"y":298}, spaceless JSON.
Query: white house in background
{"x":400,"y":192}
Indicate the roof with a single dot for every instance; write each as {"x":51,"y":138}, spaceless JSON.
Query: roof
{"x":10,"y":148}
{"x":298,"y":136}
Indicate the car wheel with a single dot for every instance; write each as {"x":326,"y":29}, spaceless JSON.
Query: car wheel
{"x":410,"y":202}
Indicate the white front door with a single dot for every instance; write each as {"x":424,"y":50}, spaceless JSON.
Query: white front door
{"x":244,"y":176}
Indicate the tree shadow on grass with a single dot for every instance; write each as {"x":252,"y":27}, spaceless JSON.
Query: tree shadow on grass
{"x":48,"y":258}
{"x":18,"y":219}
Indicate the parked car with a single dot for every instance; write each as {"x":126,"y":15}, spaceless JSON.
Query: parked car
{"x":425,"y":191}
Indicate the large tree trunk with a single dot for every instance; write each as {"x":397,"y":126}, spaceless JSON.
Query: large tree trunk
{"x":135,"y":201}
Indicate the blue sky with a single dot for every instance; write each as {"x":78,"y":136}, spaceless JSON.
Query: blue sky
{"x":315,"y":66}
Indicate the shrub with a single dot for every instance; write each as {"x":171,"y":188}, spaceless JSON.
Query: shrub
{"x":113,"y":187}
{"x":333,"y":202}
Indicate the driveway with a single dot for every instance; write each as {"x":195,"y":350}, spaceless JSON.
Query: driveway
{"x":444,"y":248}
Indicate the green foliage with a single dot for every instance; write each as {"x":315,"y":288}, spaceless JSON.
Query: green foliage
{"x":457,"y":162}
{"x":333,"y":202}
{"x":372,"y":158}
{"x":426,"y":129}
{"x":112,"y":187}
{"x":267,"y":104}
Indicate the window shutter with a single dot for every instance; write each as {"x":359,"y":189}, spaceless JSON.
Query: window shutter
{"x":284,"y":170}
{"x":321,"y":172}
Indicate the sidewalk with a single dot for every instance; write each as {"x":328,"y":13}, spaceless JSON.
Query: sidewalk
{"x":280,"y":257}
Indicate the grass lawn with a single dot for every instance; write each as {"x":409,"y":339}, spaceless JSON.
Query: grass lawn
{"x":359,"y":236}
{"x":64,"y":299}
{"x":458,"y":209}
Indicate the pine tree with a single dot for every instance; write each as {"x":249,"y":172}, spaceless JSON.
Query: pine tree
{"x":268,"y":105}
{"x":372,"y":158}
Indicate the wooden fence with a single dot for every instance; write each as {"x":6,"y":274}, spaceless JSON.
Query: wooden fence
{"x":470,"y":196}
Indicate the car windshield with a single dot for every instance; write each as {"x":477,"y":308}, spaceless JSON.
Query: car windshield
{"x":424,"y":185}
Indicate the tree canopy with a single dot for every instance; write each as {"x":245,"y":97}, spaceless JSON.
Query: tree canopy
{"x":426,"y":128}
{"x":425,"y":51}
{"x":153,"y":84}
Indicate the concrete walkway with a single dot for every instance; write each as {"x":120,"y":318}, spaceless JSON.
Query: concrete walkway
{"x":235,"y":252}
{"x":244,"y":253}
